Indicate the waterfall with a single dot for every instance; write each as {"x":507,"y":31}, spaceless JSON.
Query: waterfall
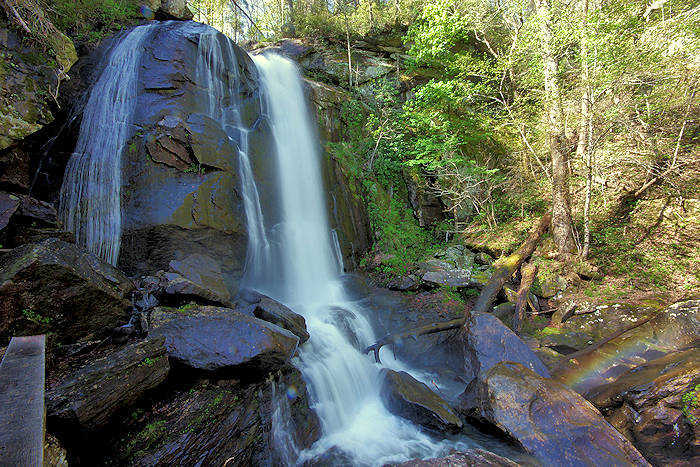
{"x":219,"y":81}
{"x":90,"y":200}
{"x":343,"y":383}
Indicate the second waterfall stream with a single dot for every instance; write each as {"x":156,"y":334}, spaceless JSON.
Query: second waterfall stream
{"x":344,"y":384}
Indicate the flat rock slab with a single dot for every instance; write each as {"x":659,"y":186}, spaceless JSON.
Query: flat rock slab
{"x":411,"y":399}
{"x":550,"y":421}
{"x":22,"y":422}
{"x":647,"y":405}
{"x":213,"y":338}
{"x":91,"y":395}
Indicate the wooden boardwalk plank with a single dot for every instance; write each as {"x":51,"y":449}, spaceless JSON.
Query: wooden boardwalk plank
{"x":22,"y":414}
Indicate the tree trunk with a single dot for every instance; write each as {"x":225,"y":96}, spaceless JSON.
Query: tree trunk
{"x":527,"y":277}
{"x":562,"y":230}
{"x":584,"y":149}
{"x":290,"y":23}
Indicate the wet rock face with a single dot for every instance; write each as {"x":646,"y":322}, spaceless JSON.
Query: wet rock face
{"x":211,"y":338}
{"x":181,"y":192}
{"x":55,"y":286}
{"x":212,"y":424}
{"x":672,"y":329}
{"x":647,"y":405}
{"x":553,"y":423}
{"x":346,"y":208}
{"x":469,"y":457}
{"x":411,"y":399}
{"x":89,"y":397}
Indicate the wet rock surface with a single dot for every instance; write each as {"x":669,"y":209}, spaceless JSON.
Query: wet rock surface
{"x":30,"y":77}
{"x":274,"y":312}
{"x":411,"y":399}
{"x":90,"y":396}
{"x":652,"y":406}
{"x":469,"y":457}
{"x":212,"y":338}
{"x":553,"y":423}
{"x":669,"y":330}
{"x":55,"y":285}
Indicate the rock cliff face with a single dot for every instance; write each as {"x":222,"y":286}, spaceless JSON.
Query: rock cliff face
{"x":180,"y":172}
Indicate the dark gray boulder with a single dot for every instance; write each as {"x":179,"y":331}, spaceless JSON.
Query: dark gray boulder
{"x":551,"y":422}
{"x":222,"y":424}
{"x":409,"y":398}
{"x":89,"y":397}
{"x":55,"y":286}
{"x":212,"y":338}
{"x":274,"y":312}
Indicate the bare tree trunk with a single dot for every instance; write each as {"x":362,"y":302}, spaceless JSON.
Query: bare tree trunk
{"x":527,"y":277}
{"x":562,"y":230}
{"x":584,"y":149}
{"x":347,"y":39}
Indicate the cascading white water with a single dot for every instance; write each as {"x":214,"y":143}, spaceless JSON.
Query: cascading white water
{"x":90,"y":200}
{"x":343,"y":383}
{"x":218,"y":79}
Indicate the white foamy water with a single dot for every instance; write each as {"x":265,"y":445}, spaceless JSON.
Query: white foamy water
{"x":343,"y":383}
{"x":90,"y":200}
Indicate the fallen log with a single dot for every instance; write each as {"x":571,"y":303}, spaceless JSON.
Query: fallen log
{"x":415,"y":332}
{"x":528,"y":271}
{"x":504,"y":269}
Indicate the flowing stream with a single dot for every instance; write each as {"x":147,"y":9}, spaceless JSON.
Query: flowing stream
{"x":344,"y":384}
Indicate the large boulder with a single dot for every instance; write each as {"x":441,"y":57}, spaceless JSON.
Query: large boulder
{"x":55,"y":286}
{"x":212,"y":338}
{"x":197,"y":276}
{"x":223,"y":424}
{"x":672,"y":329}
{"x":89,"y":397}
{"x":551,"y":422}
{"x":488,"y":342}
{"x":466,"y":458}
{"x":409,"y":398}
{"x":652,"y":406}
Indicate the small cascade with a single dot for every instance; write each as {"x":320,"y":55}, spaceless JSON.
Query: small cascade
{"x":343,"y":383}
{"x":90,"y":200}
{"x":218,"y":78}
